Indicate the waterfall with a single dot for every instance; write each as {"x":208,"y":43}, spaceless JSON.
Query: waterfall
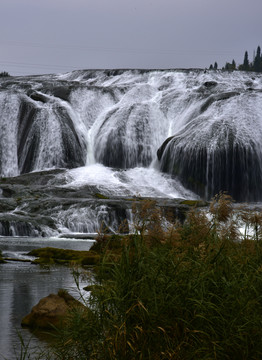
{"x":9,"y":109}
{"x":219,"y":148}
{"x":200,"y":131}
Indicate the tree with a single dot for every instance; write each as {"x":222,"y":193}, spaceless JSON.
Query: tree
{"x":4,"y":74}
{"x":213,"y":67}
{"x":246,"y":62}
{"x":257,"y":61}
{"x":227,"y":66}
{"x":231,"y":66}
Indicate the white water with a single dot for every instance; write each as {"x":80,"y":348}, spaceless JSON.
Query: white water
{"x":121,"y":120}
{"x":140,"y":110}
{"x":145,"y":182}
{"x":105,"y":127}
{"x":9,"y":107}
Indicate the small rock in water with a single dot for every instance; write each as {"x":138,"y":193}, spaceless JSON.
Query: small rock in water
{"x":51,"y":311}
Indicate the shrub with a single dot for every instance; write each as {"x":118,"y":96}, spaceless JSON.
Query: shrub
{"x":192,"y":291}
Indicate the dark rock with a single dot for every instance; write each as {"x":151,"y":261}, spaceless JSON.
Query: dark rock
{"x":162,"y":147}
{"x":32,"y":121}
{"x":217,"y":97}
{"x":124,"y":151}
{"x":31,"y":202}
{"x":210,"y":84}
{"x":62,"y":92}
{"x":38,"y":96}
{"x":230,"y":166}
{"x":18,"y":228}
{"x":51,"y":311}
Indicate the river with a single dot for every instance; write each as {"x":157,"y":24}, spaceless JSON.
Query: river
{"x":77,"y":151}
{"x":22,"y":285}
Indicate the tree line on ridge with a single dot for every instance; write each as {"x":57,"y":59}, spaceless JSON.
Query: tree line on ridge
{"x":247,"y":65}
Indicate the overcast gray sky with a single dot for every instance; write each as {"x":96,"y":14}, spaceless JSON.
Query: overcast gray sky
{"x":53,"y":36}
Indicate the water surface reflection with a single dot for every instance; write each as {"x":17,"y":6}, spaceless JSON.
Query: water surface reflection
{"x":22,"y":285}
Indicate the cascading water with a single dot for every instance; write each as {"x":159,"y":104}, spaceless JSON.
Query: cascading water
{"x":9,"y":109}
{"x":160,"y":134}
{"x":218,"y":148}
{"x":129,"y":134}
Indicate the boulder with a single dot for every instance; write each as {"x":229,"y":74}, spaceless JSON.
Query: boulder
{"x":51,"y":311}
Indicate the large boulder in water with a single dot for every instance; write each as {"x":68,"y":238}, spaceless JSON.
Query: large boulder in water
{"x":51,"y":311}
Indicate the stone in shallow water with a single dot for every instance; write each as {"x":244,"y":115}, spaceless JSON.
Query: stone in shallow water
{"x":51,"y":311}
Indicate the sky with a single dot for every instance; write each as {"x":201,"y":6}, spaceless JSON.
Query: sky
{"x":57,"y":36}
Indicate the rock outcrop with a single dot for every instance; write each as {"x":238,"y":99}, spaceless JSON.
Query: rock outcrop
{"x":51,"y":311}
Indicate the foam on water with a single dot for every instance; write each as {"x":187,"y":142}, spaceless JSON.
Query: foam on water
{"x":146,"y":182}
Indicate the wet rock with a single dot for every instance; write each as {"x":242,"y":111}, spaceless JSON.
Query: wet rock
{"x":2,"y":261}
{"x":38,"y":97}
{"x":16,"y":228}
{"x":218,"y":97}
{"x":51,"y":311}
{"x":215,"y":161}
{"x":37,"y":204}
{"x":210,"y":84}
{"x":61,"y":92}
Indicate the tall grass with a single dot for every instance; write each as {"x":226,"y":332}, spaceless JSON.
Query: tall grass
{"x":192,"y":291}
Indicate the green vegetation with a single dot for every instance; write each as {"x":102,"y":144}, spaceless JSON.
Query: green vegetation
{"x":194,"y":203}
{"x":1,"y":258}
{"x":100,"y":196}
{"x":51,"y":255}
{"x":191,"y":291}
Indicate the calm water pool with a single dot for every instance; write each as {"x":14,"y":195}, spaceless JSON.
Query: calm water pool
{"x":22,"y":285}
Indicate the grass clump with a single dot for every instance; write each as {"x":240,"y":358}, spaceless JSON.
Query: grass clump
{"x":194,"y":203}
{"x":2,"y":261}
{"x":190,"y":291}
{"x":100,"y":196}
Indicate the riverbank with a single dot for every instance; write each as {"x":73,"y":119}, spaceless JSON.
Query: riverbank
{"x":191,"y":291}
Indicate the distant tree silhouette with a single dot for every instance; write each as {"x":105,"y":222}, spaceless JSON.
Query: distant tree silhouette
{"x":4,"y":74}
{"x":247,"y":65}
{"x":255,"y":65}
{"x":227,"y":66}
{"x":257,"y":61}
{"x":246,"y":62}
{"x":213,"y":67}
{"x":230,"y":66}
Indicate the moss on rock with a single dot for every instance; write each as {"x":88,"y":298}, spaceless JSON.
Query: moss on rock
{"x":51,"y":255}
{"x":194,"y":203}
